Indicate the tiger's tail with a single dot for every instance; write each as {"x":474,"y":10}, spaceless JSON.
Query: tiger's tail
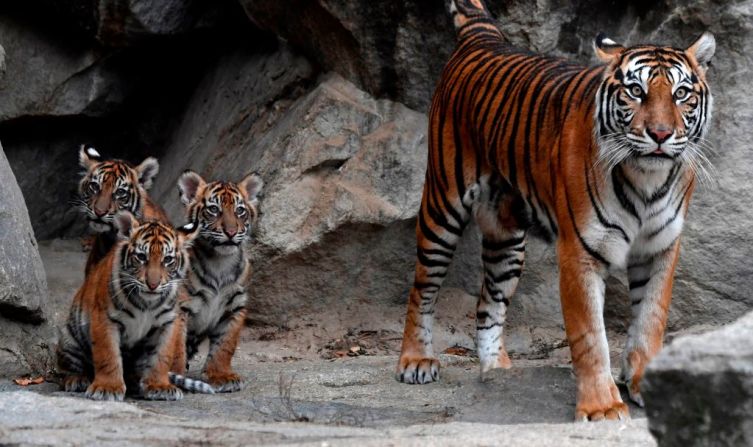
{"x":470,"y":16}
{"x":190,"y":385}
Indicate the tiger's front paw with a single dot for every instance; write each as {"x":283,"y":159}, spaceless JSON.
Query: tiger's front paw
{"x":417,"y":370}
{"x":106,"y":391}
{"x":598,"y":400}
{"x":161,"y":392}
{"x":76,"y":384}
{"x":226,"y":383}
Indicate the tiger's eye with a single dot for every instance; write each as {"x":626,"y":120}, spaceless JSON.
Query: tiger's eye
{"x":240,"y":211}
{"x":681,"y":93}
{"x":213,"y":210}
{"x":168,"y":260}
{"x":636,"y":90}
{"x":141,"y":257}
{"x":121,"y":193}
{"x":93,"y":188}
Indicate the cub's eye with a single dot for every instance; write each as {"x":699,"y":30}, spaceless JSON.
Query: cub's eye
{"x":141,"y":257}
{"x":121,"y":193}
{"x":93,"y":188}
{"x":168,"y":260}
{"x":681,"y":93}
{"x":213,"y":210}
{"x":240,"y":211}
{"x":636,"y":90}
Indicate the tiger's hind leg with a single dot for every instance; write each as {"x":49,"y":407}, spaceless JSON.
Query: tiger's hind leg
{"x":437,"y":233}
{"x":503,"y":251}
{"x":73,"y":356}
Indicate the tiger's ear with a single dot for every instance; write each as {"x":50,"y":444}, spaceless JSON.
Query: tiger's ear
{"x":189,"y":184}
{"x":703,"y":49}
{"x":606,"y":49}
{"x":252,"y":184}
{"x":88,"y":157}
{"x":146,"y":171}
{"x":125,"y":223}
{"x":188,"y":233}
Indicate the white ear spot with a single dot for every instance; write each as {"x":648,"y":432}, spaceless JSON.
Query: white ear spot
{"x":189,"y":226}
{"x":92,"y":152}
{"x":608,"y":41}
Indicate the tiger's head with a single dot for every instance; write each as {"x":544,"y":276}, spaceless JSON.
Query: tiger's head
{"x":153,"y":257}
{"x":224,"y":211}
{"x":653,"y":106}
{"x":109,"y":186}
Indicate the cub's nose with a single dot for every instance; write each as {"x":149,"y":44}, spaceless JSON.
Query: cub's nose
{"x":152,"y":285}
{"x":231,"y":231}
{"x":659,"y":134}
{"x":99,"y":212}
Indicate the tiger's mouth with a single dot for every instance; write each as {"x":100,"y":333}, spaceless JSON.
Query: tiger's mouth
{"x":99,"y":225}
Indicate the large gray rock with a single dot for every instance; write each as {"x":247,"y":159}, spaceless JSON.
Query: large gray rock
{"x":22,"y":282}
{"x":45,"y":76}
{"x":25,"y":338}
{"x":699,"y":390}
{"x":390,"y":48}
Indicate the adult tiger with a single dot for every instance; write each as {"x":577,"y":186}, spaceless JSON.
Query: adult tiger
{"x":603,"y":159}
{"x":109,"y":186}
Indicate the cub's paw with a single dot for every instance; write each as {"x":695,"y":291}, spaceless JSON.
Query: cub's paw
{"x":417,"y":370}
{"x":106,"y":391}
{"x":76,"y":384}
{"x":226,"y":383}
{"x":612,"y":411}
{"x":161,"y":392}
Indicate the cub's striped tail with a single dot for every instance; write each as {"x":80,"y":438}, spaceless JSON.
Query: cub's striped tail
{"x":470,"y":16}
{"x":190,"y":385}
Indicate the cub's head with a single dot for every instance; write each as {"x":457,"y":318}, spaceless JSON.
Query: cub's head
{"x":109,"y":186}
{"x":153,"y":257}
{"x":653,"y":106}
{"x":224,"y":211}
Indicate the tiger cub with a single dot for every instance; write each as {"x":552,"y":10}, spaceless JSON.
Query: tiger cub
{"x":109,"y":186}
{"x":121,"y":323}
{"x":220,"y":269}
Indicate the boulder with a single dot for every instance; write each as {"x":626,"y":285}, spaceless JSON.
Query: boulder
{"x":25,"y":337}
{"x":699,"y":390}
{"x":129,"y":22}
{"x":48,"y":76}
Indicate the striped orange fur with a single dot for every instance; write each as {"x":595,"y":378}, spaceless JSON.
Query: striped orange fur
{"x":602,"y":160}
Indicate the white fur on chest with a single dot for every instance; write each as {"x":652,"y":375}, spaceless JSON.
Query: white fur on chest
{"x":218,"y":293}
{"x":650,"y":227}
{"x":137,"y":323}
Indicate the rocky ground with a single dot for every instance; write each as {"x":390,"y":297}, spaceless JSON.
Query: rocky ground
{"x":323,"y":379}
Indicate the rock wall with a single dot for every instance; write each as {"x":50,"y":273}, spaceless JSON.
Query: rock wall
{"x":25,"y":336}
{"x":327,"y":100}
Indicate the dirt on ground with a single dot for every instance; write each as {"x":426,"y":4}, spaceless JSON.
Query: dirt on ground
{"x":324,"y":379}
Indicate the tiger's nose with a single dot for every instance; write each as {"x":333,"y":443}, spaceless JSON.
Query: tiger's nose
{"x":231,"y":231}
{"x":99,"y":212}
{"x":659,"y":134}
{"x":152,"y":284}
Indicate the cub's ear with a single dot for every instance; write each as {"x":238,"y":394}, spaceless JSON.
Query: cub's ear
{"x":252,"y":184}
{"x":703,"y":49}
{"x":88,"y":157}
{"x":606,"y":49}
{"x":188,"y":233}
{"x":125,"y":223}
{"x":189,"y":184}
{"x":146,"y":171}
